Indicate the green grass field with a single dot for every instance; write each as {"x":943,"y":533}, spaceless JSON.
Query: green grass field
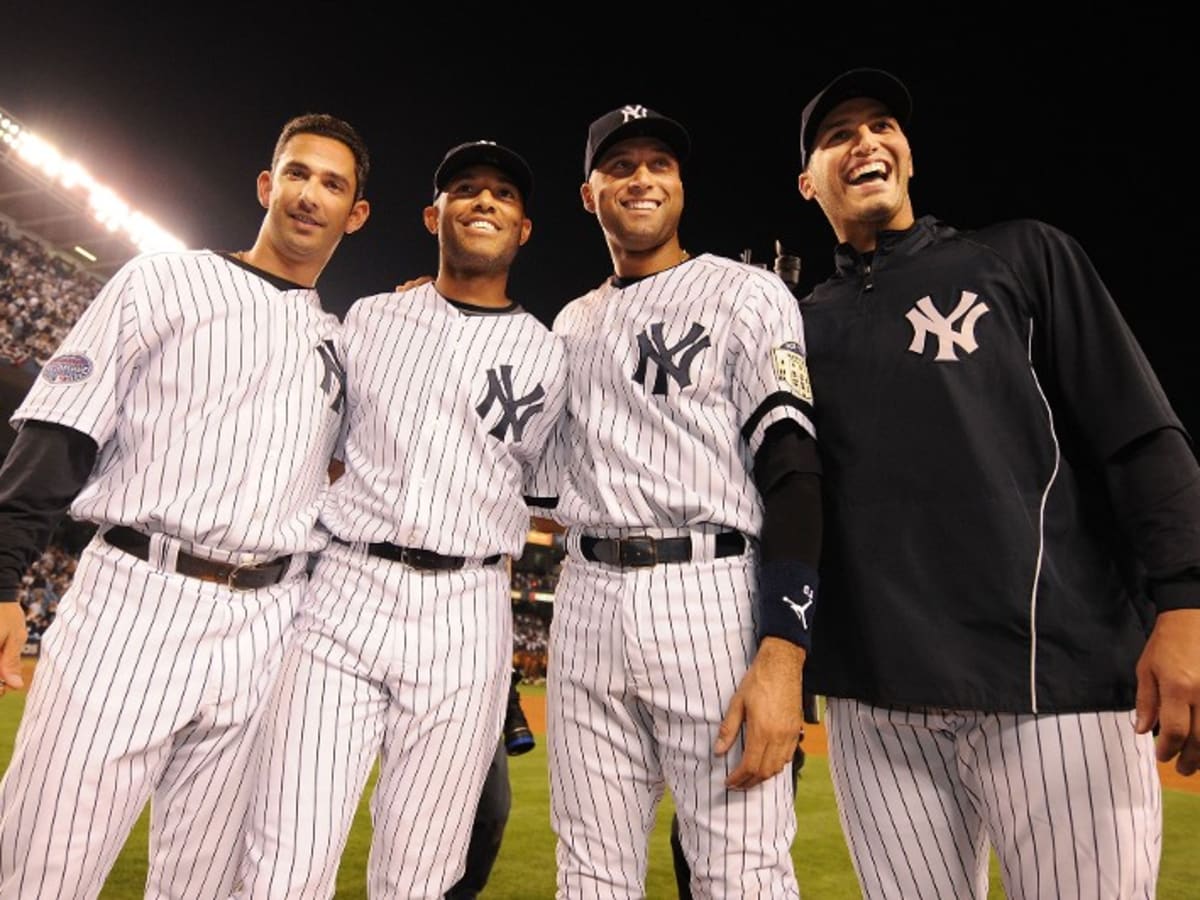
{"x":525,"y":869}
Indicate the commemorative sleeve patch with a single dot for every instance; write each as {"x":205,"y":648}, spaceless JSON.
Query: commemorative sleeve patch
{"x":792,"y":370}
{"x":67,"y":369}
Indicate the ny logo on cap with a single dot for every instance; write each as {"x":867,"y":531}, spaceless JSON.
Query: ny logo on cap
{"x":634,"y":112}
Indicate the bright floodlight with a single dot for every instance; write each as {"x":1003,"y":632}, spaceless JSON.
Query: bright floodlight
{"x":108,"y":209}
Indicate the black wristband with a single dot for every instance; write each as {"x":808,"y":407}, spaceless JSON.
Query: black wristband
{"x":787,"y":598}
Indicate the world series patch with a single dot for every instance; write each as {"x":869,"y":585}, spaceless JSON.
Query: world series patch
{"x":67,"y":369}
{"x":792,"y":370}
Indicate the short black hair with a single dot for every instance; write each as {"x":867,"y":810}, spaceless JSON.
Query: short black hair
{"x":325,"y":125}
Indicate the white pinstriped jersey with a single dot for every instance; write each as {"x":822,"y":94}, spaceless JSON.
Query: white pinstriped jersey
{"x":214,"y":397}
{"x":448,"y":409}
{"x":674,"y":379}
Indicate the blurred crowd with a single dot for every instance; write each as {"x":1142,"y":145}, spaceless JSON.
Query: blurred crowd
{"x":42,"y":587}
{"x":41,"y":296}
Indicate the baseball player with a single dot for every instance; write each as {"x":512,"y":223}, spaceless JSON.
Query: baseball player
{"x":1012,"y":507}
{"x":190,"y":414}
{"x":404,"y":649}
{"x":687,"y":478}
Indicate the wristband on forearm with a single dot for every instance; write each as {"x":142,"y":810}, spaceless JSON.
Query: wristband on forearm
{"x":786,"y":601}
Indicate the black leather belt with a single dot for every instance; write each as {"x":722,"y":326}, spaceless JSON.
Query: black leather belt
{"x":239,"y":577}
{"x":418,"y":558}
{"x":642,"y":550}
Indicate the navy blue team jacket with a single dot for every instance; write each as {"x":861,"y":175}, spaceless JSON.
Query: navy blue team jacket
{"x":968,"y":387}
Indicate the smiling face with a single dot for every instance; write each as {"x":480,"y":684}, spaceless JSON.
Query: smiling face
{"x":858,"y":172}
{"x":636,"y":192}
{"x":480,"y":222}
{"x":309,"y":198}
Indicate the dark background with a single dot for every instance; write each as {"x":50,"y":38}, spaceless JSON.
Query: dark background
{"x":1078,"y":117}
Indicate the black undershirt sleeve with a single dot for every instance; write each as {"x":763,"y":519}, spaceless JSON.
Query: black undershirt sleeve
{"x":1154,"y":484}
{"x":45,"y":470}
{"x":787,"y":472}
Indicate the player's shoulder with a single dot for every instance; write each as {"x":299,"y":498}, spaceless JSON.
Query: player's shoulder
{"x":1018,"y":237}
{"x":383,"y":301}
{"x":151,"y":260}
{"x":734,"y":271}
{"x":749,"y":292}
{"x":580,"y":305}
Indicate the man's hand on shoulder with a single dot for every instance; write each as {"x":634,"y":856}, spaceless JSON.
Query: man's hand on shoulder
{"x":12,"y":641}
{"x":412,"y":283}
{"x":769,"y":703}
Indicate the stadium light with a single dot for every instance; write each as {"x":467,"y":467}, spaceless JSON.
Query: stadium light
{"x":102,"y":201}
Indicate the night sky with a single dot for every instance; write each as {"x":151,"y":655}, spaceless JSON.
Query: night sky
{"x":1084,"y":124}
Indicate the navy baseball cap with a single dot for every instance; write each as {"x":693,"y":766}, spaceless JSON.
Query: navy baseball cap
{"x":630,"y":121}
{"x":484,"y":153}
{"x":874,"y":83}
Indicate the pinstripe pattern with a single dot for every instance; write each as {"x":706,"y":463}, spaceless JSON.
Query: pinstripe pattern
{"x":215,"y":414}
{"x":636,"y":691}
{"x":148,"y":686}
{"x":638,"y":458}
{"x":204,"y":373}
{"x":422,"y":466}
{"x":1071,"y":802}
{"x":410,"y":667}
{"x":644,"y":664}
{"x":388,"y":659}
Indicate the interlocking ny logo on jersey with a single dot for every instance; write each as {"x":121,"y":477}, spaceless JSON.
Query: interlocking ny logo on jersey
{"x":333,"y":372}
{"x":652,"y":347}
{"x":514,"y":411}
{"x":926,"y":320}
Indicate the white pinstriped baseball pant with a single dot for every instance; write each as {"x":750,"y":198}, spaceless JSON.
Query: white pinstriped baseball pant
{"x":149,"y":687}
{"x":643,"y":665}
{"x":411,"y":667}
{"x":1071,"y":802}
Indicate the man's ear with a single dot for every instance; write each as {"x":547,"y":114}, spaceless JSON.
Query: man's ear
{"x":358,"y":216}
{"x":589,"y":199}
{"x":430,"y":215}
{"x":264,"y":189}
{"x":804,"y":183}
{"x":526,"y":230}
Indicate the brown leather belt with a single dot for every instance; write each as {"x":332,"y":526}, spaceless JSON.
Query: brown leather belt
{"x":638,"y":551}
{"x":238,"y":577}
{"x":418,"y":558}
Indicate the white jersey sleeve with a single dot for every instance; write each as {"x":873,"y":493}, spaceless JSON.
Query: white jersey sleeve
{"x":83,"y":384}
{"x":770,"y":380}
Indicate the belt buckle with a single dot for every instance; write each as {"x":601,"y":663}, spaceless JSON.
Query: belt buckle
{"x":416,"y":559}
{"x":231,"y":579}
{"x":642,"y":555}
